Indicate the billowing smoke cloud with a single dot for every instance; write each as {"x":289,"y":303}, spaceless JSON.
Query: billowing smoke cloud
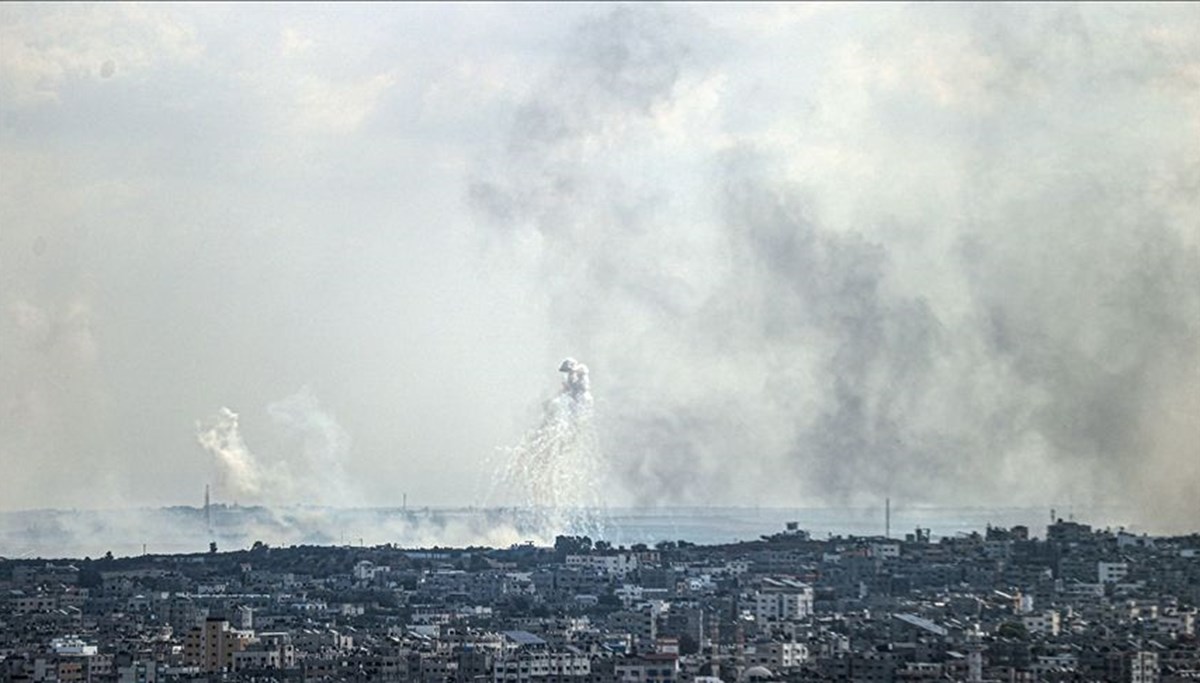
{"x":308,"y":466}
{"x":315,"y":440}
{"x":239,"y":474}
{"x":822,"y":253}
{"x":957,"y":262}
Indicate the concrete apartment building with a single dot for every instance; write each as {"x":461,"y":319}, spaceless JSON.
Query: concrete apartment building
{"x":211,"y":646}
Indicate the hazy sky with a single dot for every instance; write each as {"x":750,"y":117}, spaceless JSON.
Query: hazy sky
{"x":813,"y":254}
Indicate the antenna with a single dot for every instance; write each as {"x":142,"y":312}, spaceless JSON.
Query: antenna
{"x":887,"y":517}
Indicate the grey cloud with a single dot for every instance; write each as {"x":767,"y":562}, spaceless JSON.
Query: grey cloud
{"x":943,"y":253}
{"x":1021,"y":367}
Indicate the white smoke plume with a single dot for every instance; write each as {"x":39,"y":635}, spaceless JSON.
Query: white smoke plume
{"x":238,"y":473}
{"x":306,"y":465}
{"x":318,"y":445}
{"x":555,"y":471}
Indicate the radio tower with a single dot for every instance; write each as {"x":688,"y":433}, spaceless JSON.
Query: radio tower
{"x":207,"y":513}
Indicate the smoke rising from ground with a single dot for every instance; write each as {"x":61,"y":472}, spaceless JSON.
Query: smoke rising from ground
{"x":965,"y":266}
{"x":238,"y":473}
{"x":308,"y":466}
{"x":315,"y":439}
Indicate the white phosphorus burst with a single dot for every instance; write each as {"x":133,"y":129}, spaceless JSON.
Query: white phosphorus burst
{"x":555,"y":469}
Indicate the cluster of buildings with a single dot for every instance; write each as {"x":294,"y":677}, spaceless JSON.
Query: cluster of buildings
{"x":1077,"y":605}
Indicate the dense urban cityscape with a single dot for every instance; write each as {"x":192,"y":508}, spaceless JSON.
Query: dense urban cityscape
{"x":593,"y":342}
{"x":1079,"y":604}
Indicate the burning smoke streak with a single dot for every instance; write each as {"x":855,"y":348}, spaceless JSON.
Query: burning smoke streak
{"x":556,"y":467}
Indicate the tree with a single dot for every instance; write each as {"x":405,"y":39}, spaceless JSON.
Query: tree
{"x":1012,"y":629}
{"x":571,"y":545}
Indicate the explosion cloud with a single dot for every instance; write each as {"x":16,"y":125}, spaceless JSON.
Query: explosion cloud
{"x":556,"y":469}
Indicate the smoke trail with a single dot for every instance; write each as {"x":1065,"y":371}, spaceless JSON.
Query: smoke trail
{"x":555,"y":469}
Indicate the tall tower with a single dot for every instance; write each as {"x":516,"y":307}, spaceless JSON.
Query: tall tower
{"x":207,"y":512}
{"x":887,"y":517}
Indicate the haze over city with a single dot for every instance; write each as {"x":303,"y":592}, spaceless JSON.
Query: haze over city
{"x":812,"y":255}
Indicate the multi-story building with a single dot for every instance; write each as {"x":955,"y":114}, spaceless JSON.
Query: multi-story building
{"x":212,"y":645}
{"x":779,"y":599}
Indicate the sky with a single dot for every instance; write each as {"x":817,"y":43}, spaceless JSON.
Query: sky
{"x":813,"y":254}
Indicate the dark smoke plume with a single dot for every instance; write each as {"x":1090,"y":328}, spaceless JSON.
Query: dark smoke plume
{"x":964,"y":268}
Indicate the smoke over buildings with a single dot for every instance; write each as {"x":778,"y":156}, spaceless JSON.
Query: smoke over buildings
{"x":953,"y":272}
{"x":814,"y":254}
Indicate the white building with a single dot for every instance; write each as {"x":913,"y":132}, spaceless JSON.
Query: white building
{"x":1143,"y":667}
{"x":367,"y":571}
{"x":782,"y":599}
{"x":1179,"y":623}
{"x":1111,"y":572}
{"x":1048,"y":622}
{"x":525,"y":666}
{"x":775,"y":655}
{"x":72,"y":646}
{"x":618,"y":564}
{"x":887,"y":551}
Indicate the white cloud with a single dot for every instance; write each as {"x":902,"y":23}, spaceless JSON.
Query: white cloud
{"x":44,"y":47}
